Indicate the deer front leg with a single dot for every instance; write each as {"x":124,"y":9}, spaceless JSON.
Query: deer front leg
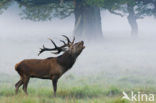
{"x":54,"y":81}
{"x":25,"y":84}
{"x":55,"y":86}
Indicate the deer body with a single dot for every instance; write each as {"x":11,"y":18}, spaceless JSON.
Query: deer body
{"x":51,"y":68}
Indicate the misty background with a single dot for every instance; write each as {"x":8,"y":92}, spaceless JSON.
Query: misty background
{"x":118,"y":55}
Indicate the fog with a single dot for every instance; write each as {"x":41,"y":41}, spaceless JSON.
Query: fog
{"x":118,"y":55}
{"x":13,"y":27}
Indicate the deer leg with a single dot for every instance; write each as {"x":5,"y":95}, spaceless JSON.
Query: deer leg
{"x":25,"y":84}
{"x":17,"y":85}
{"x":55,"y":86}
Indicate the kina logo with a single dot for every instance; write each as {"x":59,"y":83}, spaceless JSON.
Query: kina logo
{"x":140,"y":97}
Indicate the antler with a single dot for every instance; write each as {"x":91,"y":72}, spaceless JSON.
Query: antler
{"x":69,"y":42}
{"x":59,"y":49}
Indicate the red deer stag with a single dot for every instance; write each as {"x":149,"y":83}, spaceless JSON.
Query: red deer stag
{"x":51,"y":68}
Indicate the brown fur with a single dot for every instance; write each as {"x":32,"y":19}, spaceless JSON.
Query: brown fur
{"x":51,"y":68}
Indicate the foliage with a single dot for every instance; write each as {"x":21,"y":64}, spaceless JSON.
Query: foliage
{"x":47,"y":9}
{"x":44,"y":10}
{"x":152,"y":5}
{"x":119,"y":7}
{"x":4,"y":4}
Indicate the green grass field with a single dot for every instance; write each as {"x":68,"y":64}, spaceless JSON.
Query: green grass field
{"x":74,"y":89}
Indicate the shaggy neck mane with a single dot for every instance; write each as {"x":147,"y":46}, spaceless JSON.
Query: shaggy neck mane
{"x":66,"y":60}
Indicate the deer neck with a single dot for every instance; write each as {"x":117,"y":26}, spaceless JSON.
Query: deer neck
{"x":66,"y":60}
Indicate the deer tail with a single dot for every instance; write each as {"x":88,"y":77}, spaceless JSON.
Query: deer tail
{"x":17,"y":67}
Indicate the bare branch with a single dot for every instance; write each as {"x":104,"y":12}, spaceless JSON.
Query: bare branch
{"x":113,"y":12}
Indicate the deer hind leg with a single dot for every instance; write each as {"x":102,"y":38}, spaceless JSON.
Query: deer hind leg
{"x":17,"y":85}
{"x":25,"y":84}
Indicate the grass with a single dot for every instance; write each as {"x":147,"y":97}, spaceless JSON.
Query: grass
{"x":72,"y":89}
{"x":71,"y":95}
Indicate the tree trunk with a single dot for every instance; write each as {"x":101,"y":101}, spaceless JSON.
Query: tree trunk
{"x":154,"y":11}
{"x":132,"y":20}
{"x":87,"y":22}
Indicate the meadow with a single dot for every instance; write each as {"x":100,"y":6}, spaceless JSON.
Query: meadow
{"x":75,"y":89}
{"x":100,"y":75}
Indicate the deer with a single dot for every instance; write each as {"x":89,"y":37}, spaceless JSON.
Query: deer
{"x":51,"y":68}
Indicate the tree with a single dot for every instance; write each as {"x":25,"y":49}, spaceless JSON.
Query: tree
{"x":4,"y":5}
{"x":87,"y":17}
{"x":133,"y":9}
{"x":86,"y":12}
{"x":87,"y":20}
